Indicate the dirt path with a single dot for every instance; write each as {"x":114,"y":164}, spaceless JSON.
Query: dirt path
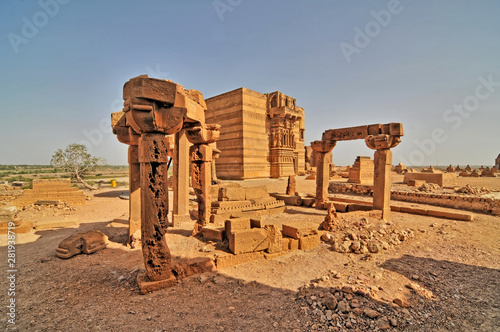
{"x":452,"y":266}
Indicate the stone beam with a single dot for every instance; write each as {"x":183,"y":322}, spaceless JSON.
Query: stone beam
{"x":362,"y":132}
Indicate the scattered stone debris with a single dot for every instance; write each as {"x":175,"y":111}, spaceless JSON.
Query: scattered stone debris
{"x":346,"y":307}
{"x":470,"y":190}
{"x":366,"y":235}
{"x":429,"y":187}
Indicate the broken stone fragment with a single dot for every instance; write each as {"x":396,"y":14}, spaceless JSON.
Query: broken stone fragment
{"x":87,"y":243}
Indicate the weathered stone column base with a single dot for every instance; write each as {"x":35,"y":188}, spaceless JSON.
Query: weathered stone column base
{"x":146,"y":285}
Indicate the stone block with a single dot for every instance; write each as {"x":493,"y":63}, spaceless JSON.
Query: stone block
{"x":309,"y":242}
{"x":293,"y":244}
{"x":146,"y":285}
{"x":308,"y":201}
{"x":193,"y":266}
{"x":275,"y":239}
{"x":237,"y":224}
{"x":441,"y":179}
{"x":285,"y":243}
{"x":296,"y":232}
{"x":232,"y":194}
{"x":249,"y":240}
{"x":150,"y":88}
{"x":416,"y":183}
{"x":211,"y":233}
{"x":255,"y":192}
{"x":225,"y":261}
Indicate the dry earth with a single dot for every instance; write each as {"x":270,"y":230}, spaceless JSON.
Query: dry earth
{"x":448,"y":276}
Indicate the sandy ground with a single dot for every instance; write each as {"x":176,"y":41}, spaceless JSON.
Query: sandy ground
{"x":455,"y":261}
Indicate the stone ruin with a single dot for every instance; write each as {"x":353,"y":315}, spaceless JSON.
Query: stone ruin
{"x":497,"y":162}
{"x":154,"y":108}
{"x":361,"y":171}
{"x":261,"y":135}
{"x":378,"y":137}
{"x":50,"y":192}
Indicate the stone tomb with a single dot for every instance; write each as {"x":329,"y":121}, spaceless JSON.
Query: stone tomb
{"x":261,"y":136}
{"x":362,"y":171}
{"x":51,"y":190}
{"x":441,"y":179}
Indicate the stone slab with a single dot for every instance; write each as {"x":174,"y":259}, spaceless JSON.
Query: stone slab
{"x":211,"y":233}
{"x":229,"y":260}
{"x":249,"y":240}
{"x":309,"y":242}
{"x":147,"y":286}
{"x":296,"y":232}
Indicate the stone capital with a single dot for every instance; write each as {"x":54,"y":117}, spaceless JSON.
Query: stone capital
{"x":203,"y":134}
{"x":323,"y":146}
{"x":382,"y":141}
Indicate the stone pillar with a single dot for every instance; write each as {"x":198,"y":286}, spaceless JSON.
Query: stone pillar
{"x":134,"y":177}
{"x":382,"y":182}
{"x":382,"y":171}
{"x":201,"y":161}
{"x":154,"y":205}
{"x":323,"y":149}
{"x":181,"y":179}
{"x":215,"y":154}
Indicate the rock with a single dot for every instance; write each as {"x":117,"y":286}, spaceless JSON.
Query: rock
{"x":347,"y":289}
{"x":371,"y":313}
{"x":330,"y":301}
{"x":352,"y":236}
{"x":344,"y":247}
{"x":343,"y":306}
{"x":393,"y":321}
{"x":401,"y":302}
{"x":355,"y":245}
{"x":383,"y":323}
{"x":327,"y":237}
{"x":374,"y":247}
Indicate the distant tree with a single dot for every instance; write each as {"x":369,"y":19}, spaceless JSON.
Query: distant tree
{"x":76,"y":160}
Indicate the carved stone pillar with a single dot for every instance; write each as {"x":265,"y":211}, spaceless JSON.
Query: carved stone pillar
{"x":323,"y":149}
{"x":201,"y":161}
{"x":215,"y":154}
{"x":382,"y":171}
{"x":181,"y":179}
{"x":134,"y":177}
{"x":154,"y":212}
{"x":201,"y":155}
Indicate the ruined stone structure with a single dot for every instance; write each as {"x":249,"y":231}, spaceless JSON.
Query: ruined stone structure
{"x":155,"y":108}
{"x":361,"y":171}
{"x":51,"y":190}
{"x":379,"y":137}
{"x":262,"y":135}
{"x":441,"y":179}
{"x":497,"y":162}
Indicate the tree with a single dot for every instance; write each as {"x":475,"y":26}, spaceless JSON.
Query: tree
{"x":76,"y":160}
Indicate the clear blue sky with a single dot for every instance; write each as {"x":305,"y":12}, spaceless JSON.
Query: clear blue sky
{"x":433,"y":65}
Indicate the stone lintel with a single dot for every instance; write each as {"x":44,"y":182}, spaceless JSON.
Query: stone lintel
{"x":362,"y":132}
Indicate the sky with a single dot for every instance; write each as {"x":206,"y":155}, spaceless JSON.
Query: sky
{"x":433,"y":66}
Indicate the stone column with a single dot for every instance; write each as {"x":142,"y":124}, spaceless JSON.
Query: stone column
{"x":181,"y":179}
{"x":201,"y":161}
{"x":134,"y":177}
{"x":154,"y":205}
{"x":382,"y":171}
{"x":324,"y":149}
{"x":215,"y":154}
